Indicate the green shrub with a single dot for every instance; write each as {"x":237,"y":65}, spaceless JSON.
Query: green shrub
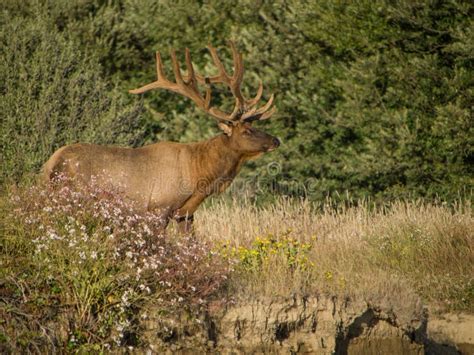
{"x":375,"y":100}
{"x":52,"y":94}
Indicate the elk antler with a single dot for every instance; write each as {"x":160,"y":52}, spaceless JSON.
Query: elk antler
{"x":244,"y":110}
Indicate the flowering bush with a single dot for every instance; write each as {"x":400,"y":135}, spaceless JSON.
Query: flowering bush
{"x":97,"y":252}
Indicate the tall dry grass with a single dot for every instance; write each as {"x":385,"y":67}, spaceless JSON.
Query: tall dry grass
{"x":393,"y":254}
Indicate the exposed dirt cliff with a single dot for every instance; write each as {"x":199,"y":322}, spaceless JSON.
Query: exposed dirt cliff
{"x":321,"y":325}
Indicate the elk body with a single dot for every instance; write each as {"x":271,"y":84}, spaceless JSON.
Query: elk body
{"x":175,"y":178}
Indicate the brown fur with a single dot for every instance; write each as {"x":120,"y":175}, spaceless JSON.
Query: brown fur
{"x":173,"y":178}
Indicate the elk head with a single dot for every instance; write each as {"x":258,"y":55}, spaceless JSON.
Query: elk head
{"x":236,"y":125}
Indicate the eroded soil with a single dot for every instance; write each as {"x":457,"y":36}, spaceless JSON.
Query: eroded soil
{"x":303,"y":325}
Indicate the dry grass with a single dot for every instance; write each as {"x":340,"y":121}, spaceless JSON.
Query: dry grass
{"x":387,"y":255}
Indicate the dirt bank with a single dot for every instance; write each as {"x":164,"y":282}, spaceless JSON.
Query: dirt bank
{"x":322,"y":325}
{"x":453,"y":330}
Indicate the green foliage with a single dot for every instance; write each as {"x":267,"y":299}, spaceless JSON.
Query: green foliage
{"x":53,"y":94}
{"x":373,"y":98}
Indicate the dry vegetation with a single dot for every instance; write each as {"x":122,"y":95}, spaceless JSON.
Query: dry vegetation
{"x":386,"y":254}
{"x":80,"y":267}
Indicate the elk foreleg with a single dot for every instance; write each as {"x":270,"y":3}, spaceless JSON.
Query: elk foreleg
{"x":185,"y":224}
{"x":163,"y":215}
{"x":184,"y":215}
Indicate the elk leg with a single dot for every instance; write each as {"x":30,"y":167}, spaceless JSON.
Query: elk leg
{"x":163,"y":215}
{"x":184,"y":215}
{"x":185,"y":224}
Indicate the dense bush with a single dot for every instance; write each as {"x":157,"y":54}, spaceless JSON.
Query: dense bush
{"x":80,"y":266}
{"x":372,"y":98}
{"x":53,"y":94}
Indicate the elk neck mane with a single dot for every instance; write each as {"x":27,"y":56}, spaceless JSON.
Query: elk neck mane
{"x":215,"y":158}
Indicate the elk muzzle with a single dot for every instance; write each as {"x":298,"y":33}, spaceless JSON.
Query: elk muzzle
{"x":276,"y":144}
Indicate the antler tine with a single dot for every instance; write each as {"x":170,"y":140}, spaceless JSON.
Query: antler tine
{"x":189,"y":67}
{"x":260,"y":114}
{"x":267,"y":114}
{"x":191,"y":80}
{"x":256,"y":99}
{"x":222,"y":76}
{"x":161,"y":78}
{"x":241,"y":104}
{"x":160,"y":74}
{"x":176,"y":69}
{"x":238,"y":65}
{"x":267,"y":105}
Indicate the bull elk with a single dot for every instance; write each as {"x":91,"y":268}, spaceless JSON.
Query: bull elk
{"x":176,"y":177}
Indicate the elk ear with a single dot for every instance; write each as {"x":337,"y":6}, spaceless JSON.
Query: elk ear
{"x":227,"y":128}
